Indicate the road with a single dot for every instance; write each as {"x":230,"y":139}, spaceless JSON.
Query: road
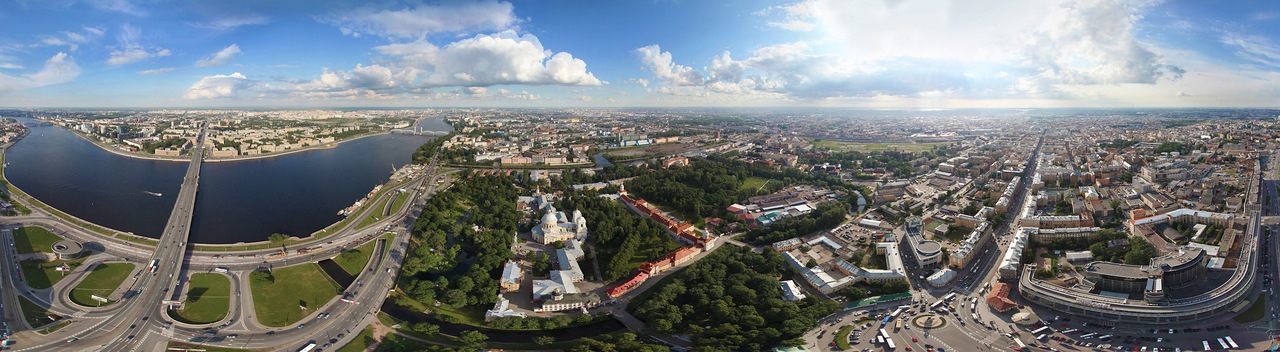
{"x":146,"y":309}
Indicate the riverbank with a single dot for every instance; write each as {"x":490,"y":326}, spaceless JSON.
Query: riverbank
{"x":117,"y":151}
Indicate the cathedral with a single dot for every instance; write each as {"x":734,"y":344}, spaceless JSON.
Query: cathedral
{"x":556,"y":226}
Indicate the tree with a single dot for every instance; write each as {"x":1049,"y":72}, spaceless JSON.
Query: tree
{"x":544,"y":340}
{"x":426,"y":329}
{"x":278,"y":239}
{"x":473,"y":338}
{"x":262,"y":277}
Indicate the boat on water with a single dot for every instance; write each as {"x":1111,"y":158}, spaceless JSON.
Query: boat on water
{"x":157,"y":194}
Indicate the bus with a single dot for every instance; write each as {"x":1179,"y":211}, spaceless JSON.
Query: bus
{"x":1206,"y":345}
{"x":1088,"y":336}
{"x":935,"y":305}
{"x":883,"y":333}
{"x":880,"y":340}
{"x":308,"y":347}
{"x":1231,"y":342}
{"x":152,"y":267}
{"x":1223,"y":343}
{"x":895,"y":313}
{"x":1021,"y":346}
{"x":897,"y":325}
{"x":1041,"y":337}
{"x":1041,"y":330}
{"x":885,"y":321}
{"x":1104,"y":337}
{"x":949,"y":297}
{"x":889,"y":343}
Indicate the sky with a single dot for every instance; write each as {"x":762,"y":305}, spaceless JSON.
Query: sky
{"x":562,"y":53}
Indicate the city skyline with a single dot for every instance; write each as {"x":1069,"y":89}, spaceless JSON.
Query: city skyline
{"x":122,"y":53}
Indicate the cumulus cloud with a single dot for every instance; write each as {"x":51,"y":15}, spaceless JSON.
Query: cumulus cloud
{"x":503,"y":58}
{"x":57,"y":69}
{"x":666,"y":70}
{"x":218,"y":86}
{"x":222,"y":57}
{"x":130,"y":50}
{"x":965,"y":49}
{"x":423,"y":19}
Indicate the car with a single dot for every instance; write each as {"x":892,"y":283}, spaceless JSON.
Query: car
{"x":302,"y":326}
{"x":269,"y":333}
{"x":73,"y":339}
{"x":130,"y":337}
{"x":915,"y":339}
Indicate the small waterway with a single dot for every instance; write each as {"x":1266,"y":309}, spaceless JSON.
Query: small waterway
{"x":338,"y":274}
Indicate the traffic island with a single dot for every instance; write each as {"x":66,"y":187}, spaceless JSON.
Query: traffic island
{"x":284,"y":296}
{"x":96,"y":289}
{"x":208,"y":300}
{"x":929,"y":321}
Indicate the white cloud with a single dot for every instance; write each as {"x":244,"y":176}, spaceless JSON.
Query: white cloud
{"x":1255,"y":49}
{"x":920,"y":49}
{"x":130,"y":50}
{"x":797,"y":17}
{"x":222,"y":57}
{"x":57,"y":69}
{"x":233,"y":22}
{"x":157,"y":71}
{"x":71,"y":39}
{"x":423,"y":19}
{"x":218,"y":86}
{"x":121,"y":6}
{"x":11,"y":66}
{"x":480,"y":61}
{"x":660,"y":63}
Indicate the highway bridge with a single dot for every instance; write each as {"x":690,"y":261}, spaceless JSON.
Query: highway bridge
{"x":144,"y":308}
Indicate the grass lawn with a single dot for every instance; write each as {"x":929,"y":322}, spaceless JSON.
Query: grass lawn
{"x":754,"y":183}
{"x":466,"y":315}
{"x":393,"y":342}
{"x":55,"y":327}
{"x":31,"y":239}
{"x":208,"y":299}
{"x":353,"y":260}
{"x":1255,"y":311}
{"x":103,"y":280}
{"x":842,"y":337}
{"x":35,"y":315}
{"x":279,"y":302}
{"x":360,"y":342}
{"x":375,"y":213}
{"x":42,"y":274}
{"x":399,"y":202}
{"x":649,"y":253}
{"x":181,"y":346}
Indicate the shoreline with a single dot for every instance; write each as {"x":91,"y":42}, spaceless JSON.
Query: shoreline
{"x":119,"y":152}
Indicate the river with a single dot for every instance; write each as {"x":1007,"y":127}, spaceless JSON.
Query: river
{"x":241,"y":201}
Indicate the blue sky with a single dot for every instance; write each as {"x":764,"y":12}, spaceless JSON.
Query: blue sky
{"x":856,"y":53}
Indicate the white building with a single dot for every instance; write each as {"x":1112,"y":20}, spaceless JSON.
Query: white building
{"x":502,"y":309}
{"x":556,"y":226}
{"x":791,"y":292}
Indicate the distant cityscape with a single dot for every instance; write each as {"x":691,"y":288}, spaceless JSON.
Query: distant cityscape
{"x":669,"y":229}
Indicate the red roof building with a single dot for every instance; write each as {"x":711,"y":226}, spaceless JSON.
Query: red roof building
{"x":628,"y":285}
{"x":998,"y":298}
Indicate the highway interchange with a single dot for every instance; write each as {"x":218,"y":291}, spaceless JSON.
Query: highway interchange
{"x":139,"y":320}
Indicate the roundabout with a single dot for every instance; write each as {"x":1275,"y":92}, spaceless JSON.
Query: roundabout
{"x":929,"y":321}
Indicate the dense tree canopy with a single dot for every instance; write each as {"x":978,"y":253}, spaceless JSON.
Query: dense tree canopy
{"x":729,"y":301}
{"x":474,"y":219}
{"x":621,"y":239}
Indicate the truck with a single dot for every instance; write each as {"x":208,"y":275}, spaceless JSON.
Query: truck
{"x":151,"y":268}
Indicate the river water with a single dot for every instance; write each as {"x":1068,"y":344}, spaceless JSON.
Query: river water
{"x":242,"y":201}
